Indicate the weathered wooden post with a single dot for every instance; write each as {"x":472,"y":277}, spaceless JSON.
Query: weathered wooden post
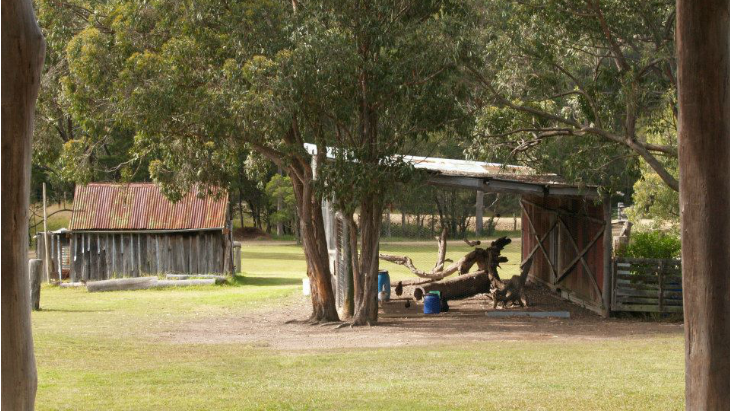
{"x":703,"y":74}
{"x":236,"y":257}
{"x":35,"y":273}
{"x":23,"y":49}
{"x":46,"y":251}
{"x":479,"y":212}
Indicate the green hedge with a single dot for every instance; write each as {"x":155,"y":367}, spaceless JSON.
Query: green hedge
{"x":652,"y":245}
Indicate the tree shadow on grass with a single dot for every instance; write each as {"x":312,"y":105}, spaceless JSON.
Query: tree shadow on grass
{"x":264,"y":281}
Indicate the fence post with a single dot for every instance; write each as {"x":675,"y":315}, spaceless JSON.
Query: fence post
{"x":661,"y":286}
{"x":35,"y":271}
{"x":236,"y":257}
{"x":607,"y":255}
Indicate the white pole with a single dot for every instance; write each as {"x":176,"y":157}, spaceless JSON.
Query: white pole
{"x":46,"y":254}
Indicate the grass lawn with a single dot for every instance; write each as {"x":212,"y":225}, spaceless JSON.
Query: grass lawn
{"x":108,"y":351}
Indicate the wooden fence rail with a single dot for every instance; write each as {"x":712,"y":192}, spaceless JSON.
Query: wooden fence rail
{"x":647,"y":285}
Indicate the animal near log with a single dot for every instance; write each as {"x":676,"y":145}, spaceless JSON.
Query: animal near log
{"x":511,"y":291}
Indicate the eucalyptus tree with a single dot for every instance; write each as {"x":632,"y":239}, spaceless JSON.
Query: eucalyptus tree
{"x":574,"y":86}
{"x":194,"y":82}
{"x":198,"y":81}
{"x":373,"y":77}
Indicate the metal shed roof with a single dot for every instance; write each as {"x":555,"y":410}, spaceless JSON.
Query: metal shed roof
{"x":489,"y":177}
{"x":141,"y":206}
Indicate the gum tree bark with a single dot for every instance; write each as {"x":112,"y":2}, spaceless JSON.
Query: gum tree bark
{"x":703,"y":52}
{"x":23,"y":49}
{"x":309,"y":207}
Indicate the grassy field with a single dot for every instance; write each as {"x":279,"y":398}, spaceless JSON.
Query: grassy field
{"x":109,"y":351}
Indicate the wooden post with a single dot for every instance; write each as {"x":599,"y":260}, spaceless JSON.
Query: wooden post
{"x":703,"y":72}
{"x":23,"y":49}
{"x":387,"y":221}
{"x":35,"y":273}
{"x":46,"y":254}
{"x":607,"y":256}
{"x":237,"y":257}
{"x":479,"y":213}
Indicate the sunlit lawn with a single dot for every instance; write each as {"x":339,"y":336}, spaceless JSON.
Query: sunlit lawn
{"x":103,"y":352}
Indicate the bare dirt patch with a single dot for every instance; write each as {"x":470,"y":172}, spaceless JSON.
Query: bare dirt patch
{"x":398,"y":326}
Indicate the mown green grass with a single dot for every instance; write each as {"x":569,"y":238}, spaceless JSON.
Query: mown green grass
{"x":103,"y":351}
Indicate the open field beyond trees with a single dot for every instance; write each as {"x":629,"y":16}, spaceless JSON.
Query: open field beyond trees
{"x":227,"y":347}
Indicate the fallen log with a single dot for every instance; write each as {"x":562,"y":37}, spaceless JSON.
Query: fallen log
{"x":182,"y":283}
{"x":121,"y":284}
{"x":220,"y":278}
{"x":465,"y":285}
{"x":456,"y":288}
{"x":482,"y":257}
{"x":72,"y":285}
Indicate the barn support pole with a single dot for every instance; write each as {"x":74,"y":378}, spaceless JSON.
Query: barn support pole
{"x":479,"y":213}
{"x":23,"y":49}
{"x":703,"y":77}
{"x":607,"y":256}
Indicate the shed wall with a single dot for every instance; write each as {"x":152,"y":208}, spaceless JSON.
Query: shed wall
{"x":564,"y":218}
{"x":99,"y":256}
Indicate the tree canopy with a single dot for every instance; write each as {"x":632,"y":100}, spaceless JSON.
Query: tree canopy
{"x":576,"y":88}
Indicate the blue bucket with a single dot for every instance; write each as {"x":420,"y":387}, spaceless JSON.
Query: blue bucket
{"x":431,"y":304}
{"x":384,"y":283}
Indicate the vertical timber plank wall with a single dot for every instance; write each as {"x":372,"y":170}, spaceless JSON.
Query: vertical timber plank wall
{"x":582,"y":229}
{"x":97,"y":256}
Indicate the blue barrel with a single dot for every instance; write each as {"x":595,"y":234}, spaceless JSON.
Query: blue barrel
{"x":431,"y":304}
{"x":384,"y":283}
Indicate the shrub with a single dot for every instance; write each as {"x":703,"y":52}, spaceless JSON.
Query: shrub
{"x":652,"y":245}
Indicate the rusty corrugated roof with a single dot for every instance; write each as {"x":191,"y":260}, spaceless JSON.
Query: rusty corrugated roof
{"x":141,"y":206}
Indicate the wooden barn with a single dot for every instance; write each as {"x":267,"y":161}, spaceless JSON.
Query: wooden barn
{"x":566,"y":229}
{"x":131,"y":230}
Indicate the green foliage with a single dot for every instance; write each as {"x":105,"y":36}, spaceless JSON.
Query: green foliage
{"x":279,"y":189}
{"x":652,"y":199}
{"x":652,"y":244}
{"x":565,"y":86}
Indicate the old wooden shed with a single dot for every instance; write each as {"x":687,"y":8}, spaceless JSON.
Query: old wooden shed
{"x":130,"y":230}
{"x":566,"y":228}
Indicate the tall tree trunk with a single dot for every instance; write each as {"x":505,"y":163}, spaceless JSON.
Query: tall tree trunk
{"x":279,"y":207}
{"x":314,"y":243}
{"x":23,"y":49}
{"x":366,"y":306}
{"x":703,"y":51}
{"x":240,"y":208}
